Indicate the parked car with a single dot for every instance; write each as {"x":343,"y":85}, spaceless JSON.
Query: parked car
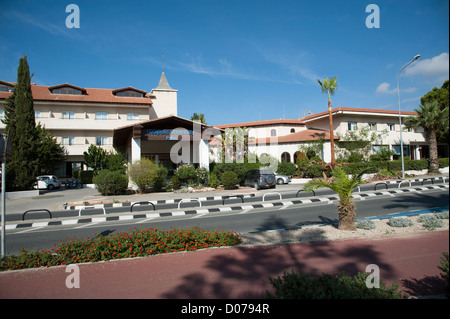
{"x":261,"y":177}
{"x":282,"y":179}
{"x":47,"y":182}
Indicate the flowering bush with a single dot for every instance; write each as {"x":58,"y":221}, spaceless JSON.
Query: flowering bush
{"x":136,"y":243}
{"x":400,"y":222}
{"x":365,"y":224}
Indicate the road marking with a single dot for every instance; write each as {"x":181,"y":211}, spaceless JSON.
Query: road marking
{"x":85,"y":225}
{"x":29,"y":230}
{"x":245,"y":211}
{"x":145,"y":220}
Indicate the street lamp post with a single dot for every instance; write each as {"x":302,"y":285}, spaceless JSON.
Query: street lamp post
{"x":400,"y":115}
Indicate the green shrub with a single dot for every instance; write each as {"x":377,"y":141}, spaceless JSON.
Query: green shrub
{"x":442,"y":215}
{"x":229,"y":180}
{"x":416,"y":165}
{"x":286,"y":168}
{"x":430,"y":221}
{"x":176,"y":184}
{"x":240,"y":169}
{"x":304,"y":286}
{"x":160,"y":179}
{"x":187,"y":174}
{"x":443,"y":162}
{"x":143,"y":173}
{"x":201,"y":175}
{"x":400,"y":222}
{"x":111,"y":183}
{"x":213,"y":181}
{"x":365,"y":224}
{"x":116,"y":162}
{"x":136,"y":243}
{"x":355,"y":158}
{"x":314,"y":171}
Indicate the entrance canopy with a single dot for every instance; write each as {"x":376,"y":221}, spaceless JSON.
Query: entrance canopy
{"x":170,"y":140}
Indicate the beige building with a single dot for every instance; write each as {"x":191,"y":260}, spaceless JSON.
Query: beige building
{"x":79,"y":117}
{"x":141,"y":123}
{"x":282,"y":138}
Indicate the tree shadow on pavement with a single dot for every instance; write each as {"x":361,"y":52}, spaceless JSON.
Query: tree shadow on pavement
{"x":427,"y":285}
{"x":243,"y":272}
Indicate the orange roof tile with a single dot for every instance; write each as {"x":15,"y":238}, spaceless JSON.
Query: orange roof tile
{"x":43,"y":93}
{"x":351,"y":109}
{"x":260,"y":123}
{"x":301,"y":136}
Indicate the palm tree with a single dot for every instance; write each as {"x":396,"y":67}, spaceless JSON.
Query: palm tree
{"x":329,"y":86}
{"x":432,"y":118}
{"x":343,"y":185}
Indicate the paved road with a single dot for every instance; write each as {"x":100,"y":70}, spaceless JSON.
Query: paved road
{"x":240,"y":272}
{"x":244,"y":219}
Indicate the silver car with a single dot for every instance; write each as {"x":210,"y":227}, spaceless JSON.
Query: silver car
{"x":282,"y":179}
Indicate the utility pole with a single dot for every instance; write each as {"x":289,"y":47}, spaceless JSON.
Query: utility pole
{"x":5,"y":150}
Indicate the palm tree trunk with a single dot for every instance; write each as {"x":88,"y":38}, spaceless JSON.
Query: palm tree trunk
{"x":347,"y":216}
{"x":333,"y":160}
{"x":434,"y":163}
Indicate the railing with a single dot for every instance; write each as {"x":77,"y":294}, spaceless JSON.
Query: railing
{"x":189,"y":200}
{"x":142,"y":203}
{"x":272,"y":193}
{"x":36,"y":210}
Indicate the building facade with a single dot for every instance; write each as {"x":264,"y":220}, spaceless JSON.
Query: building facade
{"x":284,"y":138}
{"x":146,"y":124}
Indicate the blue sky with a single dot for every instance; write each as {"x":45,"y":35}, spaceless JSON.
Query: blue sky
{"x":235,"y":61}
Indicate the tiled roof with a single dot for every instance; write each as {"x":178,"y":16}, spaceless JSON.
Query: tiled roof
{"x":261,"y":123}
{"x":359,"y":110}
{"x":43,"y":93}
{"x":301,"y":136}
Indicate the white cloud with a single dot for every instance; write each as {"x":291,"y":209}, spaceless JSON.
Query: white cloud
{"x":383,"y":88}
{"x":436,"y":67}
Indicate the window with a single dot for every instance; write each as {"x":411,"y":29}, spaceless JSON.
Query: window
{"x":391,"y":127}
{"x":130,"y":94}
{"x":37,"y":114}
{"x":67,"y":140}
{"x":67,"y":90}
{"x":377,"y":149}
{"x":273,"y":132}
{"x":68,"y":115}
{"x":292,"y":130}
{"x":2,"y":114}
{"x":101,"y":140}
{"x":352,"y":126}
{"x":101,"y":116}
{"x":397,"y":154}
{"x":373,"y":126}
{"x":132,"y":116}
{"x":6,"y":88}
{"x":285,"y":157}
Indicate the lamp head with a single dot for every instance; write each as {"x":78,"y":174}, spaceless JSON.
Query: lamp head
{"x":416,"y":57}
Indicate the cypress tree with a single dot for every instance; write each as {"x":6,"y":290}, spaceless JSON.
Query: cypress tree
{"x":19,"y":119}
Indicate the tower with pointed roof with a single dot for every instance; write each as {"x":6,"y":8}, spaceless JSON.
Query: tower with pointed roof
{"x":164,"y":100}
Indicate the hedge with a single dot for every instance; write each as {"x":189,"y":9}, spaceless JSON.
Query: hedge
{"x":376,"y":166}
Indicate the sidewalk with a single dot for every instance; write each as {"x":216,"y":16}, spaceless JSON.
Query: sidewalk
{"x":241,"y":272}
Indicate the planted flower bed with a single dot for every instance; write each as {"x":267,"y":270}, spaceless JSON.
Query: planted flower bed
{"x":136,"y":243}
